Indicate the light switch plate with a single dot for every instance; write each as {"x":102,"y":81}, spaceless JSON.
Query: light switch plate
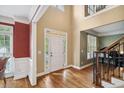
{"x":39,"y":52}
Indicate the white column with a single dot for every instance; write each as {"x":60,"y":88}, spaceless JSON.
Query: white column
{"x":33,"y":61}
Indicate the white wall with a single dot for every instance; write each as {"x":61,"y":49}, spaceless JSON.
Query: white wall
{"x":32,"y":71}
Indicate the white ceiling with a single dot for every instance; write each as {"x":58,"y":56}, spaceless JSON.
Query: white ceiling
{"x":20,"y":11}
{"x":109,"y":29}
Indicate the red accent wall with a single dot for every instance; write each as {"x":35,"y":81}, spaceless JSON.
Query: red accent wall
{"x":21,"y":37}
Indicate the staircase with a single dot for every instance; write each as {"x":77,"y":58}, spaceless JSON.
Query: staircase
{"x":108,"y":66}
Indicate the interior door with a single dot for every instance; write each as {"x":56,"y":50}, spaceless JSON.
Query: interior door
{"x":57,"y":52}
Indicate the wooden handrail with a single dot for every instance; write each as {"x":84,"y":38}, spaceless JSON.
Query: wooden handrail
{"x":112,"y":45}
{"x":101,"y":63}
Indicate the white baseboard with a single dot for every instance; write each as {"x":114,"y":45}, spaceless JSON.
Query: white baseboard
{"x":41,"y":74}
{"x":76,"y":67}
{"x":68,"y":66}
{"x":30,"y":74}
{"x":85,"y":66}
{"x":9,"y":75}
{"x":44,"y":73}
{"x":20,"y":76}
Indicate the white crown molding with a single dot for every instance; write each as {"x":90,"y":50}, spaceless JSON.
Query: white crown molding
{"x":111,"y":33}
{"x":105,"y":33}
{"x":8,"y":18}
{"x":93,"y":32}
{"x":6,"y":14}
{"x":5,"y":19}
{"x":40,"y":12}
{"x":35,"y":14}
{"x":22,"y":20}
{"x":33,"y":11}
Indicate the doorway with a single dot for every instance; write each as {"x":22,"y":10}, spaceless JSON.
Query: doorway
{"x":55,"y":44}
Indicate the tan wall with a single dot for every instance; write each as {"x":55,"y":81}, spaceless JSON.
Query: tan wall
{"x":80,"y":23}
{"x":57,"y":20}
{"x":72,"y":22}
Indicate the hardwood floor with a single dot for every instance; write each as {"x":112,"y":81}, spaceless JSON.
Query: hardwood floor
{"x":67,"y":78}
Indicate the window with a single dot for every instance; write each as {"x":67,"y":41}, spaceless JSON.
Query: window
{"x":60,"y":7}
{"x":92,"y":9}
{"x":5,"y":40}
{"x":91,"y":46}
{"x":6,"y":46}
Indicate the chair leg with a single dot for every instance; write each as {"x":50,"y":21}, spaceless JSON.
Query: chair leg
{"x":4,"y":82}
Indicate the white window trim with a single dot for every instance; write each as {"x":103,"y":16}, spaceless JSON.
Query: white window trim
{"x":88,"y":45}
{"x":97,"y":13}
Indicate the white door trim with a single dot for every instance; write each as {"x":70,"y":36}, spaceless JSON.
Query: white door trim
{"x":33,"y":61}
{"x":65,"y":34}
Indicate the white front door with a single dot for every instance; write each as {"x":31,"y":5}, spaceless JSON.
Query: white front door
{"x":57,"y":53}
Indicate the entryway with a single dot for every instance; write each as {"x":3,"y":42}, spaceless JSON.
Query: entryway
{"x":55,"y":44}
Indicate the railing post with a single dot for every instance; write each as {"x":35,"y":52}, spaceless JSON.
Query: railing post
{"x":108,"y":65}
{"x":94,"y":68}
{"x":113,"y":56}
{"x":97,"y":71}
{"x":119,"y":62}
{"x":104,"y":66}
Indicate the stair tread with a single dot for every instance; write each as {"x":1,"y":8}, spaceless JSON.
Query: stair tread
{"x":119,"y":86}
{"x":107,"y":84}
{"x":116,"y":81}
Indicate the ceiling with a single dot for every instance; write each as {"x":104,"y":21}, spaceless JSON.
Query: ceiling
{"x":109,"y":29}
{"x":20,"y":11}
